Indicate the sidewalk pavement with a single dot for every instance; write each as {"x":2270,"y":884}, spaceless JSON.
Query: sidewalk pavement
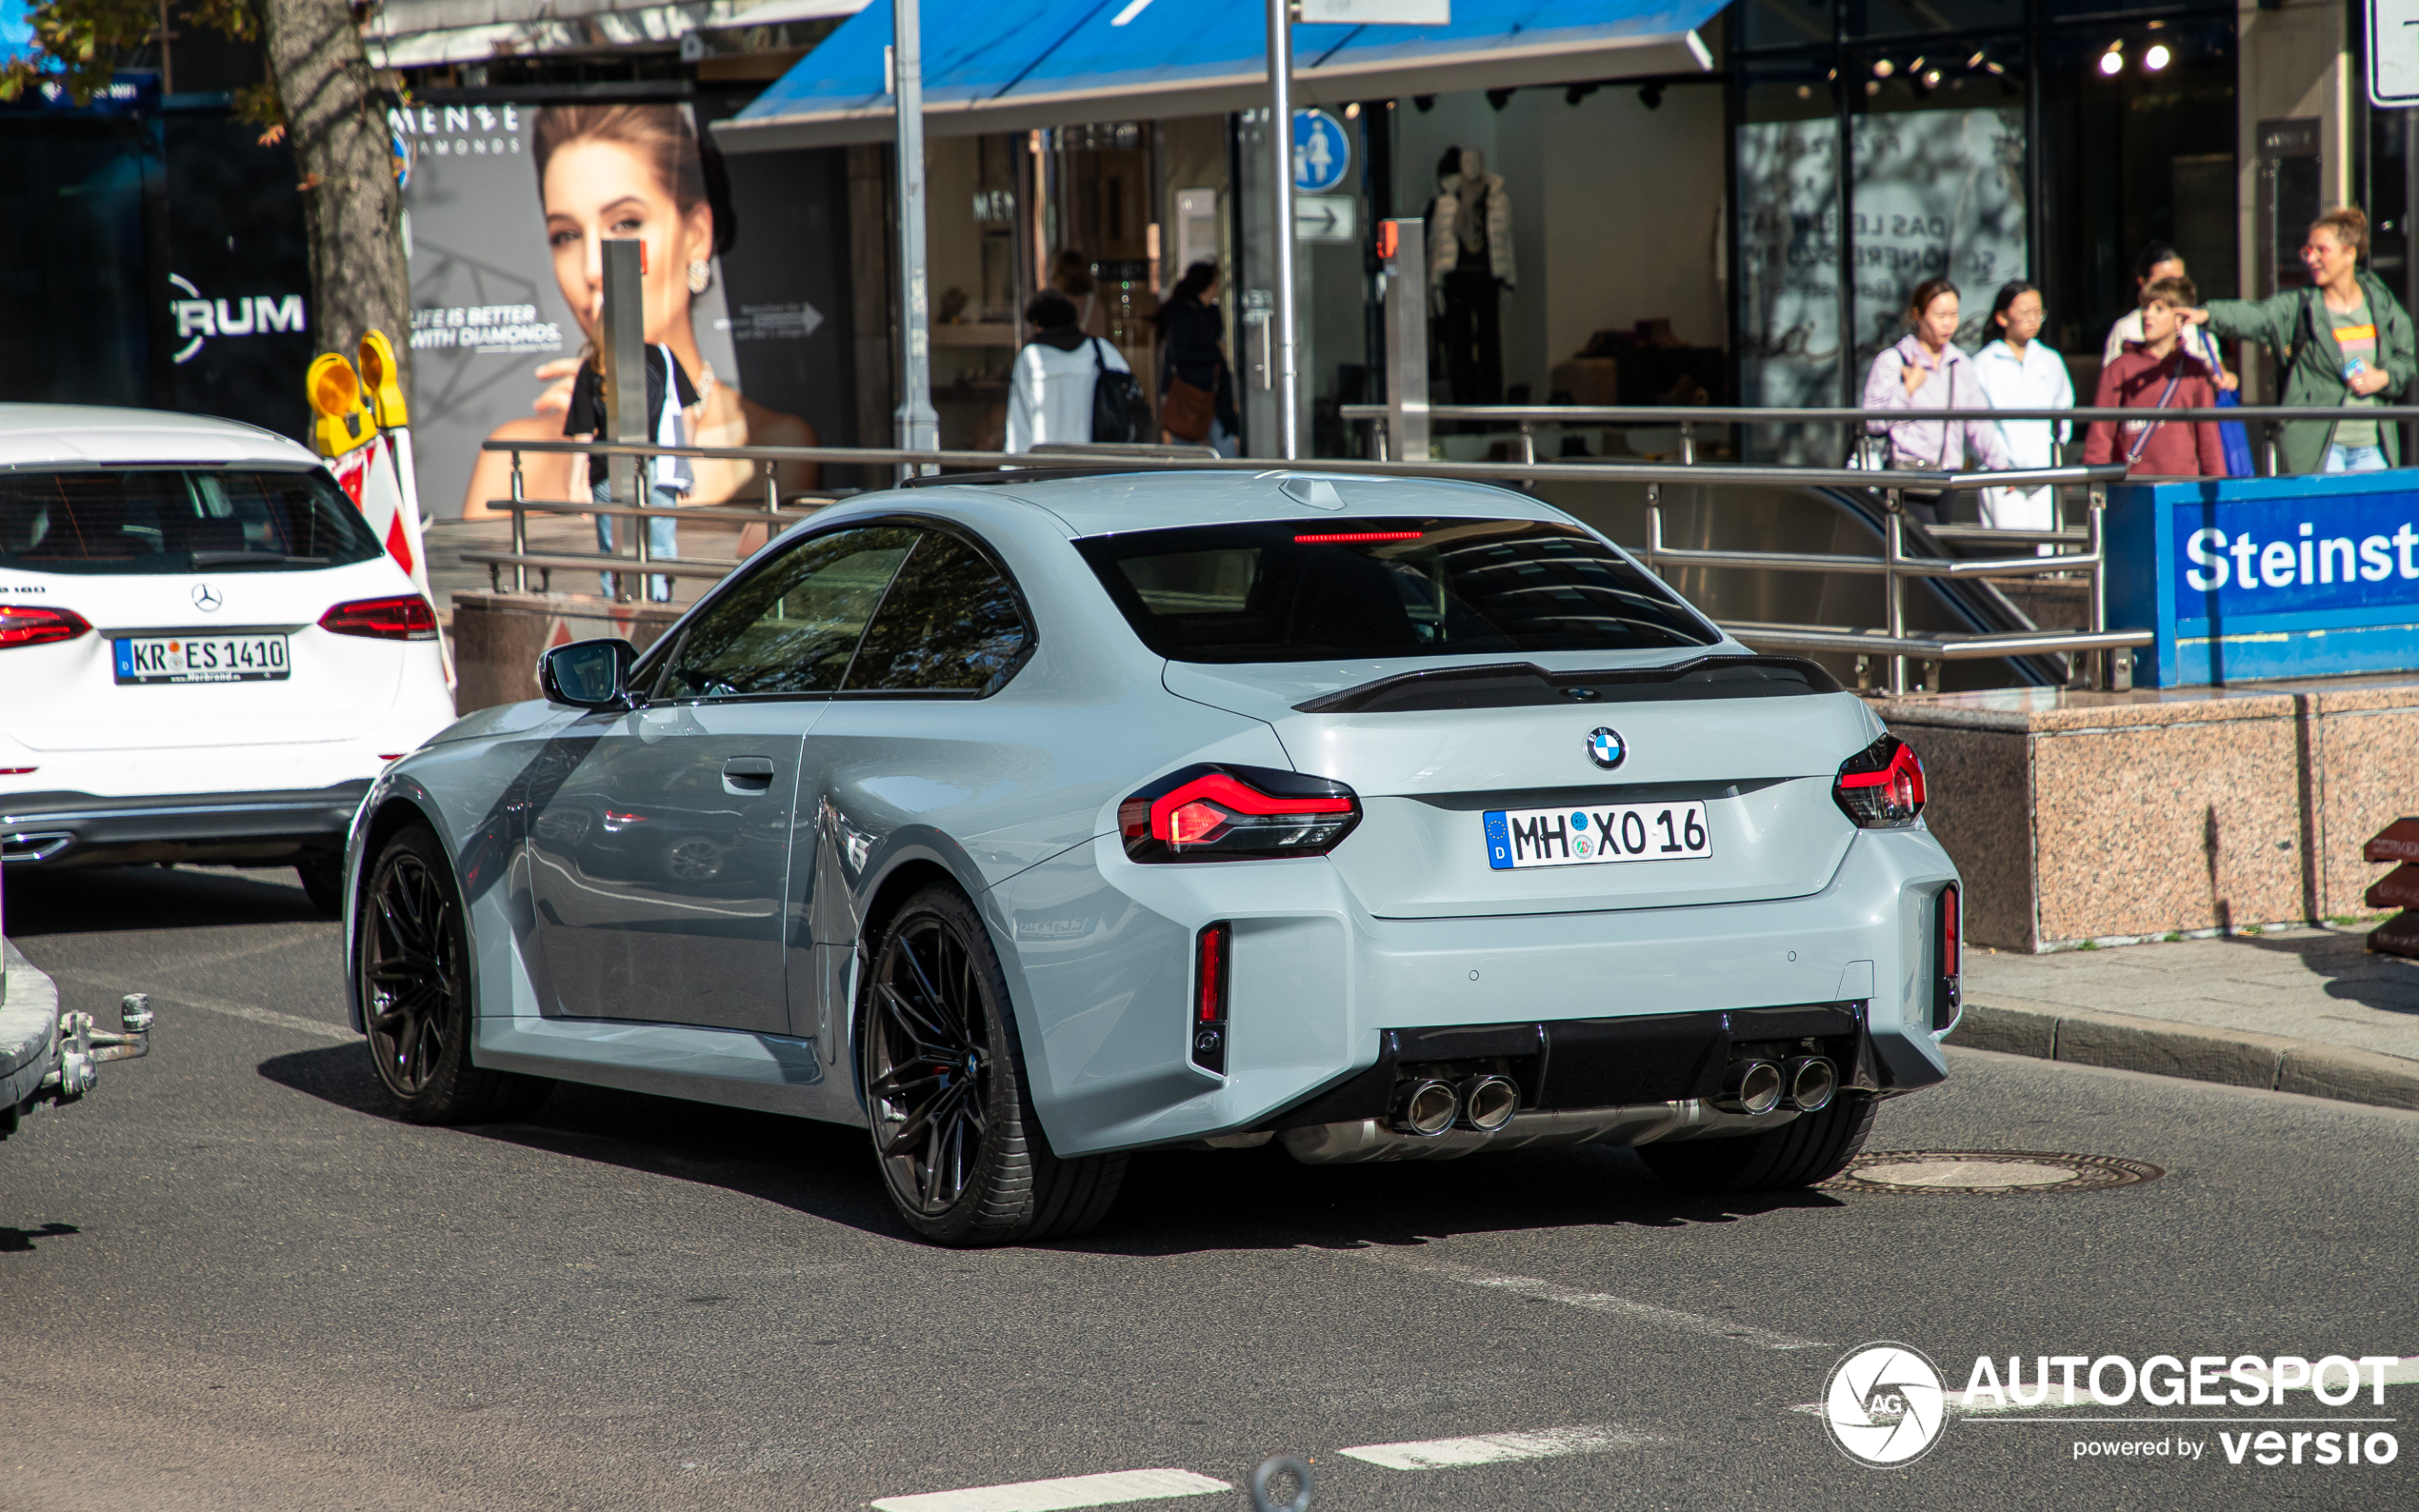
{"x":2299,"y":1010}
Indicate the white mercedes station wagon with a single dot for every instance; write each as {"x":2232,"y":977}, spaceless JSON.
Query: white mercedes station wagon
{"x":205,"y":653}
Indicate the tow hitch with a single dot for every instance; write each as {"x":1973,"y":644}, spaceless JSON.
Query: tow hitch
{"x":46,"y":1056}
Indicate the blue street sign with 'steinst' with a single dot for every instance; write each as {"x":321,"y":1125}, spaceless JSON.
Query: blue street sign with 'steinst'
{"x":1321,"y":152}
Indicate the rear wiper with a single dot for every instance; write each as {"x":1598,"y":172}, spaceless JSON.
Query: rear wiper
{"x":203,"y":560}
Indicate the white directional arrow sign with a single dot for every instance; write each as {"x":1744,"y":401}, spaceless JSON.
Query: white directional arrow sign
{"x":1324,"y":217}
{"x":2393,"y":54}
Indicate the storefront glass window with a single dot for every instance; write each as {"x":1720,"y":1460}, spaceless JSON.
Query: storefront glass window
{"x":1787,"y":167}
{"x":1939,"y":164}
{"x":2135,"y":154}
{"x":1894,"y":18}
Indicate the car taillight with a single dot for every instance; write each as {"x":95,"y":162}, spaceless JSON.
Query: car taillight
{"x":405,"y":617}
{"x":1947,"y":992}
{"x":27,"y":624}
{"x":1236,"y":814}
{"x":1211,"y":963}
{"x":1881,"y":787}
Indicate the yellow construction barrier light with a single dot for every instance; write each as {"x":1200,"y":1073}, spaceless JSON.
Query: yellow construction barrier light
{"x":343,"y":420}
{"x":383,"y":379}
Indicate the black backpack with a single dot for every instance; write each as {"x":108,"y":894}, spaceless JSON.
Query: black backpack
{"x":1118,"y":411}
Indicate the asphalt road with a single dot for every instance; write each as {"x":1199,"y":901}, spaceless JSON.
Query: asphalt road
{"x":227,"y":1279}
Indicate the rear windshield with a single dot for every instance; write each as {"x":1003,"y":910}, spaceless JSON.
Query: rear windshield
{"x":1315,"y":590}
{"x":173,"y":520}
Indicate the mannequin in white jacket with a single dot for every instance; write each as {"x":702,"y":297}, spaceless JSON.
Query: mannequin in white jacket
{"x":1050,"y":393}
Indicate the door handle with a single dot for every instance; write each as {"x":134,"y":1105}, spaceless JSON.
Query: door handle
{"x":748,"y":774}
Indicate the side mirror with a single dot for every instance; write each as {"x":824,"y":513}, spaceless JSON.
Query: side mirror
{"x":588,"y":674}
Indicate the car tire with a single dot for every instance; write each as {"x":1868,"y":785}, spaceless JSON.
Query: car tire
{"x":1808,"y":1148}
{"x":413,"y":960}
{"x":323,"y":882}
{"x":961,"y":1151}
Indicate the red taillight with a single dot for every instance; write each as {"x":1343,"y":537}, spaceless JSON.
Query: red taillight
{"x":1358,"y":536}
{"x":1213,"y":813}
{"x":405,"y":617}
{"x":1881,"y":787}
{"x":1947,"y":993}
{"x":1209,"y":972}
{"x":27,"y":624}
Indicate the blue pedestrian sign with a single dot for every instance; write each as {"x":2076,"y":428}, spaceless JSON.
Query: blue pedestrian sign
{"x":1322,"y":152}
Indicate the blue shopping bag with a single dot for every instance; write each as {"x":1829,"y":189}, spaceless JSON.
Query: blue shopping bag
{"x":2235,"y":437}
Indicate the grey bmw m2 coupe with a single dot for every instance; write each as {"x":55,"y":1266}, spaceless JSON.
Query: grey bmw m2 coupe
{"x":1033,"y":821}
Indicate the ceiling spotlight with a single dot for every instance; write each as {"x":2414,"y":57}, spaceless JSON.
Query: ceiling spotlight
{"x":1806,"y":91}
{"x":1883,"y":69}
{"x":2111,"y":63}
{"x":2157,"y":58}
{"x":1931,"y":80}
{"x":1974,"y":62}
{"x":1353,"y":112}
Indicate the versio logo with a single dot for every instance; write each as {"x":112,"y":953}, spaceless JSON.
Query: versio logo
{"x":1885,"y":1404}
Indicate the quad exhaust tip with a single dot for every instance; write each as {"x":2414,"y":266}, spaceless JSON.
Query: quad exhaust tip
{"x":1427,"y":1107}
{"x":1489,"y":1103}
{"x":1812,"y":1081}
{"x":1751,"y":1086}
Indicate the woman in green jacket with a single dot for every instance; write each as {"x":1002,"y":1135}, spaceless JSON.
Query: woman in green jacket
{"x":2344,"y":342}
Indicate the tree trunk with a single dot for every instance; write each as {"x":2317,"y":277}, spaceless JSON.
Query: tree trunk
{"x":337,"y":122}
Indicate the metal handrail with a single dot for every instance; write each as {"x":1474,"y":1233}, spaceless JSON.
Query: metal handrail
{"x":1525,"y":418}
{"x":1748,"y":415}
{"x":1894,"y":566}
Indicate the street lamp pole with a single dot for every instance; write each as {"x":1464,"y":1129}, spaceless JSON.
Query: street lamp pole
{"x":919,"y":425}
{"x":1281,"y":156}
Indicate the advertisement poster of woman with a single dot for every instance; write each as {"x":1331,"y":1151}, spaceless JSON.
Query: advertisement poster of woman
{"x":506,"y":204}
{"x":632,"y":172}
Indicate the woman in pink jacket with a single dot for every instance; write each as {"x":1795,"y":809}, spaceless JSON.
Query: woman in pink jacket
{"x":1924,"y":371}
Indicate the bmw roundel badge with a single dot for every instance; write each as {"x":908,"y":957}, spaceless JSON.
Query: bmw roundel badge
{"x":1605,"y":747}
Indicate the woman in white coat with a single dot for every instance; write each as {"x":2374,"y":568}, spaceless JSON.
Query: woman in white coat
{"x":2018,"y":372}
{"x":1049,"y":394}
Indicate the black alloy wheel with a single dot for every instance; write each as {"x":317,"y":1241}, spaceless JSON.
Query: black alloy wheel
{"x":954,"y":1132}
{"x":412,"y":956}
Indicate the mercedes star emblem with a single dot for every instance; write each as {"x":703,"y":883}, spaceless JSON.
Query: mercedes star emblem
{"x":205,"y":598}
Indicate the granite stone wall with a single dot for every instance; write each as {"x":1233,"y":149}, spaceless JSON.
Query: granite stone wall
{"x":2078,"y":816}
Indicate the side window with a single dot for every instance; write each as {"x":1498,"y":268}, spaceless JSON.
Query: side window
{"x":951,"y":624}
{"x":792,"y":624}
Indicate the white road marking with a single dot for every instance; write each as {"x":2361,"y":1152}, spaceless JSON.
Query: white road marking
{"x":1644,"y":1312}
{"x":1492,"y":1448}
{"x":1051,"y":1496}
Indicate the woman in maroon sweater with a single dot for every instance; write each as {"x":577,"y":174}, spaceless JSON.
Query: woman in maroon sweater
{"x":2156,"y":373}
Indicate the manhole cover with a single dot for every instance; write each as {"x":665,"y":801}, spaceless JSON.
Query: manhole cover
{"x":1976,"y":1173}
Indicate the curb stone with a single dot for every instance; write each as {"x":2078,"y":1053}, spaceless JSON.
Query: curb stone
{"x":2235,"y":1058}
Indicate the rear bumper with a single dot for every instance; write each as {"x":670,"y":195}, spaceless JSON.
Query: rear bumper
{"x":1619,"y":1009}
{"x":57,"y":829}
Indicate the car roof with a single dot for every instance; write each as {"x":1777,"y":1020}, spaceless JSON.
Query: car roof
{"x":81,"y":435}
{"x":1103,"y":504}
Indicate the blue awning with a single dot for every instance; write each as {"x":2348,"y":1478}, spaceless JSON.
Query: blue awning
{"x":989,"y":67}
